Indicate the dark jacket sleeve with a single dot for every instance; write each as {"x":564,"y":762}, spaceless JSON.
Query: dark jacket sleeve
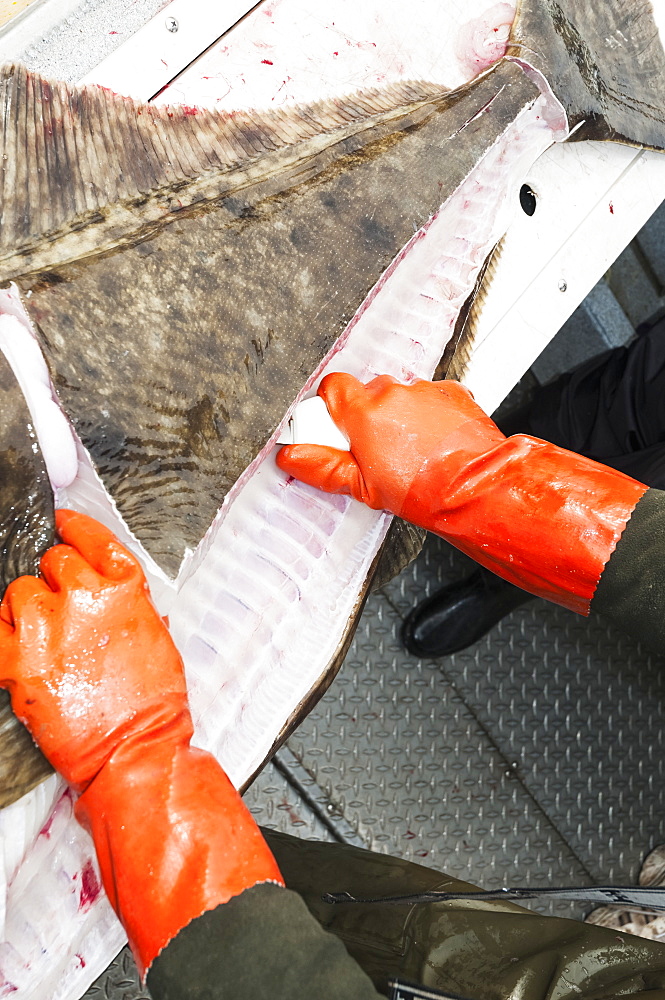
{"x":263,"y":945}
{"x":631,"y":591}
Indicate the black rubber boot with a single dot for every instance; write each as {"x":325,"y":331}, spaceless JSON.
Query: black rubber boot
{"x":460,"y":614}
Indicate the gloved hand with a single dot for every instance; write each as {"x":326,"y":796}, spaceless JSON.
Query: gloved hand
{"x":541,"y":517}
{"x":94,"y":674}
{"x":86,"y":658}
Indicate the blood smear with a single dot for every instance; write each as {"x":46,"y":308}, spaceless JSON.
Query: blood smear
{"x":483,"y":41}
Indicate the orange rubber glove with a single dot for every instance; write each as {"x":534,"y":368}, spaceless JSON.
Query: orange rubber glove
{"x":541,"y":517}
{"x":94,"y":675}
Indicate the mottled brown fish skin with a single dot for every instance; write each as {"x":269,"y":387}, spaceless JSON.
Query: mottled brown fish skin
{"x":604,"y":61}
{"x":102,"y":170}
{"x":458,"y":352}
{"x":27,"y":525}
{"x":177,"y":357}
{"x":27,"y":529}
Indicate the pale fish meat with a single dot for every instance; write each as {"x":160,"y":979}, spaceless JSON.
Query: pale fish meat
{"x":188,"y":277}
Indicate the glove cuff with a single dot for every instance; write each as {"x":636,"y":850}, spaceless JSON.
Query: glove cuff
{"x":173,"y":839}
{"x":541,"y":517}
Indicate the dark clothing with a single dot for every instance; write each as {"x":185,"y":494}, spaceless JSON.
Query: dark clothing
{"x":631,"y":591}
{"x":261,"y":945}
{"x":272,"y":943}
{"x":611,"y":408}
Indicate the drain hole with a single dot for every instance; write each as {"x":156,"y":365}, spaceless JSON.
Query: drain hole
{"x":527,"y":199}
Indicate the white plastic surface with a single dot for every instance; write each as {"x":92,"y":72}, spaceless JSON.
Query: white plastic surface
{"x":165,"y":45}
{"x":311,"y":423}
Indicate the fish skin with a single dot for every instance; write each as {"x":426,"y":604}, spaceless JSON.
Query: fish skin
{"x":604,"y":62}
{"x":27,"y":529}
{"x":27,"y":525}
{"x":260,"y":283}
{"x":131,"y":168}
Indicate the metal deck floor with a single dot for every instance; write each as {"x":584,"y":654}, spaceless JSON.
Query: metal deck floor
{"x":535,"y":755}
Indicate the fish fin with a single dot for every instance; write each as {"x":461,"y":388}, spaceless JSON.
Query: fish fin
{"x":604,"y":62}
{"x":402,"y":545}
{"x":22,"y":764}
{"x":75,"y":158}
{"x":459,"y":348}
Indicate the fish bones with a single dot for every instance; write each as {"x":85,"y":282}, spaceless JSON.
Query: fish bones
{"x":176,"y":280}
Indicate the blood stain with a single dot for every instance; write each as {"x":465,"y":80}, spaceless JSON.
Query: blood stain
{"x":46,"y":829}
{"x":293,"y":815}
{"x":90,"y":886}
{"x":267,"y":62}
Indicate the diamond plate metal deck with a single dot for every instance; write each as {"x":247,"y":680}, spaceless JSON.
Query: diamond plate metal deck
{"x":576,"y":705}
{"x":119,"y":982}
{"x":275,"y":803}
{"x":417,"y":773}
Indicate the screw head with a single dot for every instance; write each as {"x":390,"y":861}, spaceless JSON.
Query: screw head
{"x":563,"y":285}
{"x":171,"y":24}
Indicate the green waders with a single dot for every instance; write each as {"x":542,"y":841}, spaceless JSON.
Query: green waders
{"x":482,"y":951}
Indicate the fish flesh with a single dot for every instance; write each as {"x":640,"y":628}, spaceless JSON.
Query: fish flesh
{"x":188,"y":277}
